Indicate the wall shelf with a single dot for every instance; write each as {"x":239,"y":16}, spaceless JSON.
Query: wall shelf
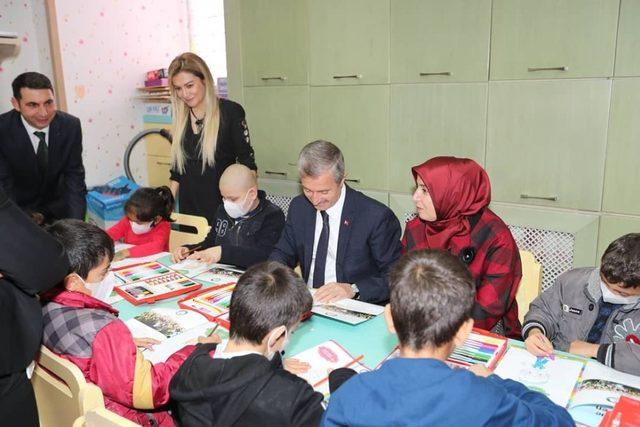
{"x":9,"y":46}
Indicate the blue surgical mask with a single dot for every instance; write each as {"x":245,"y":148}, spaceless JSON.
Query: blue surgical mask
{"x":612,"y":298}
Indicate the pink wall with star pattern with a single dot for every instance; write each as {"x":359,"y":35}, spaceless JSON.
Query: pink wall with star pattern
{"x":106,"y":48}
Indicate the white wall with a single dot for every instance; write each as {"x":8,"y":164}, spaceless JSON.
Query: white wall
{"x":27,"y":18}
{"x":106,"y":48}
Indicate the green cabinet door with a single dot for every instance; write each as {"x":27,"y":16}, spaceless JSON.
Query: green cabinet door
{"x":546,"y":141}
{"x":356,"y":119}
{"x":438,"y":41}
{"x":430,"y":120}
{"x":622,"y":172}
{"x":348,"y":42}
{"x":537,"y":39}
{"x":628,"y":47}
{"x":278,"y":119}
{"x":274,"y":42}
{"x":614,"y":226}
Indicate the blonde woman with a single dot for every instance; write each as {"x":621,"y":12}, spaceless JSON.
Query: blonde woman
{"x":209,"y":134}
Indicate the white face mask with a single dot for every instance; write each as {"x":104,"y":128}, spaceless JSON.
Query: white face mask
{"x":140,"y":228}
{"x":101,"y":290}
{"x":274,"y":337}
{"x":236,"y":210}
{"x":610,"y":297}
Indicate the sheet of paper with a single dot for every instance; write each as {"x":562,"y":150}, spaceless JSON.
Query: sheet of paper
{"x":554,"y":378}
{"x":119,"y":246}
{"x":174,"y":328}
{"x":347,"y":310}
{"x":324,"y":358}
{"x":190,"y":267}
{"x":163,"y":323}
{"x":131,"y":261}
{"x":603,"y":386}
{"x":220,"y":274}
{"x":161,"y":352}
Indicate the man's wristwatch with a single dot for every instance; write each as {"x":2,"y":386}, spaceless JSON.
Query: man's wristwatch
{"x":356,"y":291}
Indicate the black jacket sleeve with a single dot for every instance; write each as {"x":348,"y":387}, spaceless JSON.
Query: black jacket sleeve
{"x":385,"y":250}
{"x":71,"y":188}
{"x":239,"y":133}
{"x":30,"y":258}
{"x":264,"y":241}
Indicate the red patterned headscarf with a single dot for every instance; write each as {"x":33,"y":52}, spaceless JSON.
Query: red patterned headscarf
{"x":459,"y":189}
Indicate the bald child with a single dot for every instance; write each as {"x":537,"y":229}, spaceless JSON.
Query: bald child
{"x":247,"y":225}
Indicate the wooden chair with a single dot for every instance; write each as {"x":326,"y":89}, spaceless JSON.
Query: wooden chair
{"x":101,"y":417}
{"x":62,"y":393}
{"x":179,"y":238}
{"x":530,"y":283}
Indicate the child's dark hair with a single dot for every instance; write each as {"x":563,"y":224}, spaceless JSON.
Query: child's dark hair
{"x":621,"y":261}
{"x":86,"y":245}
{"x":147,"y":203}
{"x":266,"y":296}
{"x":432,"y":295}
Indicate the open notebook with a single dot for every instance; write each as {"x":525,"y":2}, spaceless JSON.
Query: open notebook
{"x":175,"y":328}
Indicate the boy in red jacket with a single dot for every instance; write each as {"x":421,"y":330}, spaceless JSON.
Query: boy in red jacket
{"x":88,"y":332}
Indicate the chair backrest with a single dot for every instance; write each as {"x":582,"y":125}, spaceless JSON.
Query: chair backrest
{"x":101,"y":417}
{"x":179,"y":238}
{"x":62,"y":393}
{"x":530,"y":284}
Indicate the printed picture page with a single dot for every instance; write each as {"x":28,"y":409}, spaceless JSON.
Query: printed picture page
{"x":554,"y":377}
{"x":174,"y":328}
{"x":323,"y":359}
{"x":602,"y":385}
{"x":347,"y":310}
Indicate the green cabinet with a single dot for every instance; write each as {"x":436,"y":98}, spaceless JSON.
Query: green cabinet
{"x":628,"y":47}
{"x":614,"y":226}
{"x":546,"y":141}
{"x":537,"y":39}
{"x":274,"y":42}
{"x":348,"y":42}
{"x":278,"y":119}
{"x":440,"y":41}
{"x":622,"y":172}
{"x":356,"y":119}
{"x":430,"y":120}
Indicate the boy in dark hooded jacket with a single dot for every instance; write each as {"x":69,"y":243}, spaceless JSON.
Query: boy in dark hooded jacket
{"x":241,"y":381}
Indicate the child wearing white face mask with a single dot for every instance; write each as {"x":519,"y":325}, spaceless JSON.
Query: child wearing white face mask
{"x":593,"y":312}
{"x":241,"y":381}
{"x":88,"y":332}
{"x":247,"y":225}
{"x":146,"y":224}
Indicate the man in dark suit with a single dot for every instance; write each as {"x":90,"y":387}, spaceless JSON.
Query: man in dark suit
{"x":31,"y":261}
{"x":41,"y":153}
{"x":344,"y":241}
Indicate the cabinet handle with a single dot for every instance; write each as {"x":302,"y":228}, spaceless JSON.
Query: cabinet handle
{"x":349,"y":76}
{"x":292,"y":164}
{"x":275,"y":173}
{"x":163,"y":163}
{"x":550,"y":198}
{"x":281,"y":78}
{"x":440,"y":73}
{"x":353,"y":180}
{"x":561,"y":68}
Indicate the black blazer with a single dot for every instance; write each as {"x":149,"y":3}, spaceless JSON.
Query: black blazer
{"x":61,"y":193}
{"x":31,"y":261}
{"x":368,"y":243}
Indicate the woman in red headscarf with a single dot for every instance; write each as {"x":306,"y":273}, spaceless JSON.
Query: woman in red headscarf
{"x":452,"y":199}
